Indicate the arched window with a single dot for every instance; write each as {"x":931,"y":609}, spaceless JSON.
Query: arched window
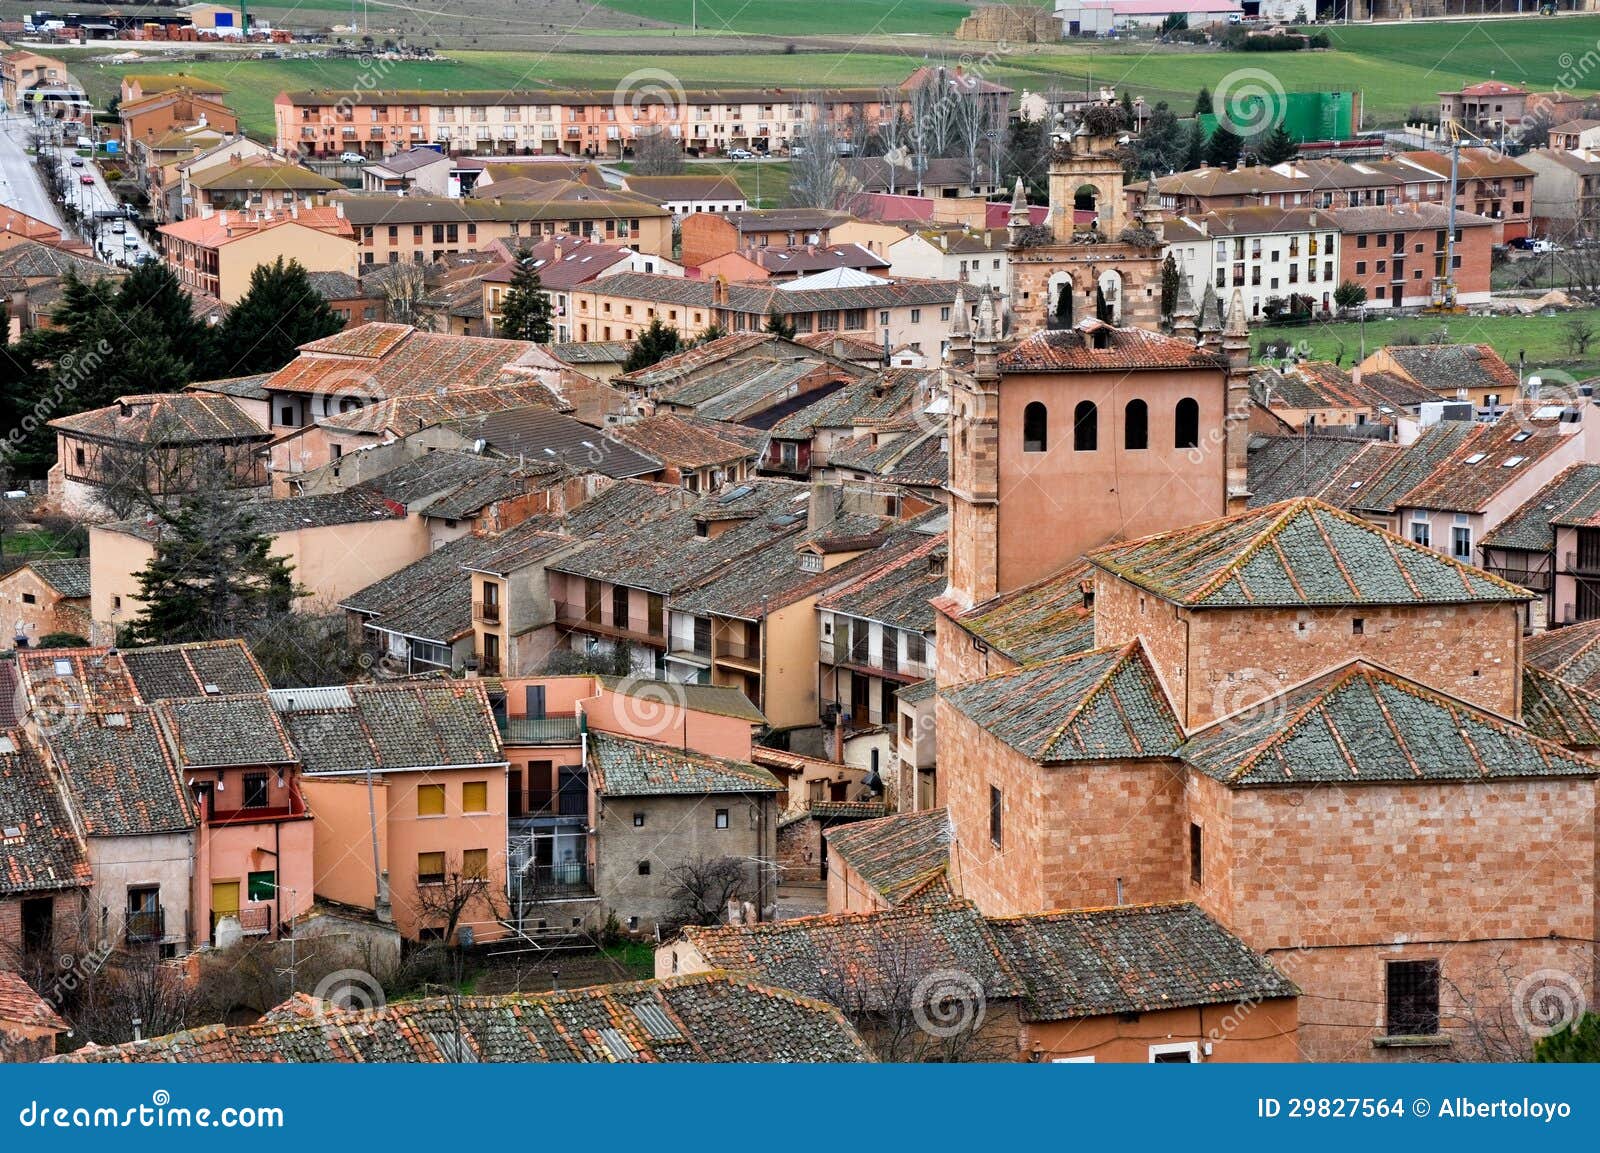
{"x":1085,"y":427}
{"x":1136,"y":425}
{"x":1186,"y":424}
{"x":1035,"y":428}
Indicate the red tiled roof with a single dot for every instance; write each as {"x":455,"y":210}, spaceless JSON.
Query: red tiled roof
{"x":1074,"y":350}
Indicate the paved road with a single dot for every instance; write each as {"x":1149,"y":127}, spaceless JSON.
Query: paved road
{"x":20,"y":187}
{"x":119,"y":247}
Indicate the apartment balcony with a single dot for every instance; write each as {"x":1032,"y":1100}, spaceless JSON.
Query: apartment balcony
{"x":561,"y":731}
{"x":567,"y":881}
{"x":739,"y":654}
{"x":859,"y":659}
{"x":486,"y":612}
{"x":486,"y":665}
{"x":689,"y":653}
{"x":1535,"y":581}
{"x":145,"y":926}
{"x":578,"y":618}
{"x":1579,"y":564}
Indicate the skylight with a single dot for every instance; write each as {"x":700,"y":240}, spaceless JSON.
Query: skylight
{"x":63,"y":668}
{"x":1521,"y":436}
{"x":1512,"y":461}
{"x":1476,"y":458}
{"x":1547,"y":412}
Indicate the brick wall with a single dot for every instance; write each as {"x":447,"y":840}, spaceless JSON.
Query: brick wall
{"x":1216,"y":661}
{"x":1069,"y":832}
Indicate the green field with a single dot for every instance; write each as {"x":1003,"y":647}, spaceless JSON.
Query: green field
{"x":1395,"y":67}
{"x":798,"y":18}
{"x":1542,"y":338}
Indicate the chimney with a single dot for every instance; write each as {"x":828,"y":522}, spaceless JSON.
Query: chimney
{"x":338,"y":209}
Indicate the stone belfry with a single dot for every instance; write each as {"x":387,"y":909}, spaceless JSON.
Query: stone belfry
{"x":973,"y":378}
{"x":1106,"y":266}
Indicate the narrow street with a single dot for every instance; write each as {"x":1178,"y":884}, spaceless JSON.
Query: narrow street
{"x":20,"y":185}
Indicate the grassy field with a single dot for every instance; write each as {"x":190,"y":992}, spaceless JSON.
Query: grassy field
{"x":1395,"y":67}
{"x":799,"y":17}
{"x":1542,"y":338}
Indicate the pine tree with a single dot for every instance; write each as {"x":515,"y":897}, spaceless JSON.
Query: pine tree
{"x":1195,"y":153}
{"x":213,"y":574}
{"x":655,"y":343}
{"x":525,"y":313}
{"x":1224,"y":148}
{"x":280,"y":311}
{"x":1276,"y":147}
{"x":1127,"y":109}
{"x":778,"y":326}
{"x":1202,"y":102}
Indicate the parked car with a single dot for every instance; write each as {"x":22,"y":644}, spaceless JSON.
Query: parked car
{"x":352,"y":158}
{"x":119,"y":228}
{"x":740,"y":154}
{"x":797,"y":150}
{"x":77,"y":162}
{"x":131,"y":240}
{"x":85,"y":179}
{"x":1544,"y":246}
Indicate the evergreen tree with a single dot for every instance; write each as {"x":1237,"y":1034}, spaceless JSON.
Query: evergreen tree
{"x":1160,"y":147}
{"x":1127,"y":109}
{"x":655,"y":343}
{"x":213,"y":574}
{"x":711,"y":332}
{"x":1169,"y":286}
{"x":1202,"y":102}
{"x":1224,"y":148}
{"x":525,"y":313}
{"x":1026,"y":149}
{"x":778,"y":326}
{"x":1195,"y":150}
{"x":1577,"y":1041}
{"x":1276,"y":147}
{"x":1349,"y":295}
{"x":280,"y":311}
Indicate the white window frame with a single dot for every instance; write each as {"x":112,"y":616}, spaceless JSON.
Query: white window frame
{"x":1089,"y":1060}
{"x":1190,"y":1047}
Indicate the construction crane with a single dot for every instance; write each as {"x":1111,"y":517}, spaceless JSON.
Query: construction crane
{"x":1442,"y":296}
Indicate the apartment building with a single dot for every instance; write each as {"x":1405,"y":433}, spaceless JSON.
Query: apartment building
{"x":1399,"y":254}
{"x":1263,"y":253}
{"x":215,"y":253}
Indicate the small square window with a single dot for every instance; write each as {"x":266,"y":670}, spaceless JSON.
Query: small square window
{"x":475,"y":864}
{"x":633,"y":923}
{"x":644,"y":868}
{"x":475,"y":797}
{"x":722,"y":818}
{"x":638,"y":820}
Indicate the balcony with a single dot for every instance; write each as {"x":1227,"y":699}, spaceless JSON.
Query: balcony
{"x":1535,"y":581}
{"x":145,"y":926}
{"x":488,"y":612}
{"x":858,"y":657}
{"x":1583,"y":564}
{"x":487,"y":666}
{"x":539,"y":731}
{"x":739,"y":652}
{"x":574,"y":616}
{"x":553,"y":882}
{"x":690,"y":652}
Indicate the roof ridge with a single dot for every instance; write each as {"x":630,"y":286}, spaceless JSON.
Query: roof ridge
{"x":1292,"y":508}
{"x":1094,"y":690}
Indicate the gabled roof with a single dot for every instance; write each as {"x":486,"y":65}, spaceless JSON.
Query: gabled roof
{"x":1361,"y":723}
{"x":627,"y":768}
{"x":708,"y":1017}
{"x":160,"y":419}
{"x":391,"y":727}
{"x":1132,"y":959}
{"x":869,"y":402}
{"x":1493,"y":458}
{"x":1573,"y":495}
{"x":686,"y":442}
{"x":1405,"y":469}
{"x":120,"y":773}
{"x":450,"y":485}
{"x":262,"y":172}
{"x":686,"y":186}
{"x":1106,"y":704}
{"x":1571,"y":652}
{"x":718,"y":700}
{"x":69,"y":576}
{"x":1038,"y":622}
{"x":219,"y":732}
{"x":899,"y":592}
{"x":904,"y":857}
{"x":110,"y":679}
{"x":20,"y":1005}
{"x":1120,"y":349}
{"x":1447,"y":367}
{"x":377,"y":361}
{"x":1334,"y":469}
{"x":39,"y":851}
{"x":1297,"y":552}
{"x":1558,"y":711}
{"x":866,"y":960}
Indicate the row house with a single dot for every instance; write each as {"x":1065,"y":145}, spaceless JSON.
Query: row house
{"x":377,"y":123}
{"x":171,"y":197}
{"x":563,"y":262}
{"x":1490,"y":184}
{"x":260,"y":183}
{"x":425,"y":229}
{"x":215,"y":253}
{"x":708,"y":235}
{"x":1566,"y":198}
{"x":876,"y":635}
{"x":976,"y":257}
{"x":182,"y":787}
{"x":1264,"y":253}
{"x":915,"y":313}
{"x":1404,"y":257}
{"x":1549,"y":547}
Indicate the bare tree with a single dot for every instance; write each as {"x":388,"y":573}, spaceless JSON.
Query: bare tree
{"x":656,"y":153}
{"x":1579,"y":333}
{"x":107,"y":1002}
{"x":702,"y":888}
{"x":445,"y":903}
{"x":147,"y":471}
{"x":404,"y":290}
{"x":972,"y":123}
{"x":907,"y":1005}
{"x":816,"y":177}
{"x":1498,"y":1012}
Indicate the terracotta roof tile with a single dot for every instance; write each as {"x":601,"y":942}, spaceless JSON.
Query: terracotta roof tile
{"x":629,"y":768}
{"x":905,"y":857}
{"x":39,"y":850}
{"x":1124,"y":349}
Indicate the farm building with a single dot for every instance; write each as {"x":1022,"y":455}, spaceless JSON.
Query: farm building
{"x":1090,"y":17}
